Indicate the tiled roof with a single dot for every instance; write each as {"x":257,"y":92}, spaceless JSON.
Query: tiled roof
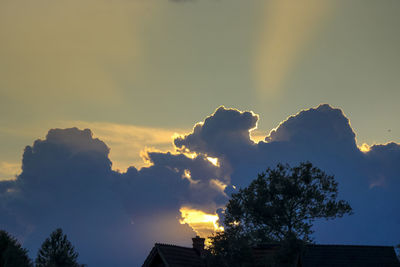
{"x":313,"y":256}
{"x":345,"y":255}
{"x":175,"y":256}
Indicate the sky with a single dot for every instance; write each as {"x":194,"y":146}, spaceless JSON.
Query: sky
{"x":316,"y":80}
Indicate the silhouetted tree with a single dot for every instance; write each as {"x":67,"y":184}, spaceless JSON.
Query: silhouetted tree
{"x":11,"y":252}
{"x":57,"y":251}
{"x":277,"y":207}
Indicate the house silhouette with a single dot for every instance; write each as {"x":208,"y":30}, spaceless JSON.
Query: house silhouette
{"x":314,"y":255}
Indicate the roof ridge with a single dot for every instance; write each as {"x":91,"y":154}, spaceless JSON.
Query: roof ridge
{"x":171,"y":245}
{"x":342,"y":245}
{"x":273,"y":245}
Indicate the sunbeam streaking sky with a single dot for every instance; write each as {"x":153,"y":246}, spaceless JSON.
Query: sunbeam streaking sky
{"x":150,"y":114}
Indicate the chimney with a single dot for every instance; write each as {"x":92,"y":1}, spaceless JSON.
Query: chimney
{"x":198,"y":244}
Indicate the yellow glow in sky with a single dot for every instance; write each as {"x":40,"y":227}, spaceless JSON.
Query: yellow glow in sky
{"x":364,"y":148}
{"x":214,"y":161}
{"x":8,"y":170}
{"x":204,"y":224}
{"x":64,"y":50}
{"x":257,"y":135}
{"x":288,"y":27}
{"x":188,"y":175}
{"x":129,"y":143}
{"x":191,"y":155}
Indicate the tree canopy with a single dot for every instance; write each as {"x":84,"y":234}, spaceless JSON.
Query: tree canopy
{"x":57,"y":251}
{"x":11,"y":252}
{"x":279,"y":206}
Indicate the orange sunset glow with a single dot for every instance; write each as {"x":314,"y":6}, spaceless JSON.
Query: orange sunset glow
{"x":204,"y":224}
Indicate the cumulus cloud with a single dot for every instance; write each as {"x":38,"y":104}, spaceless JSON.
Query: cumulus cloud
{"x":67,"y":180}
{"x":322,"y":135}
{"x":384,"y":165}
{"x":126,"y":140}
{"x":224,"y":132}
{"x":323,"y":125}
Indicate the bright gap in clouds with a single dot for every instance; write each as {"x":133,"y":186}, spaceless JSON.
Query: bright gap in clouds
{"x":214,"y":161}
{"x":204,"y":224}
{"x":129,"y":143}
{"x":364,"y":148}
{"x":257,"y":135}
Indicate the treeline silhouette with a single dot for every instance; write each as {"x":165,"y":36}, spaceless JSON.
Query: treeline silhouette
{"x":56,"y":250}
{"x":278,"y":207}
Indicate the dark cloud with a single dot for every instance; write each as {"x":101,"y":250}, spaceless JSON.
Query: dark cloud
{"x":67,"y":182}
{"x":226,"y":132}
{"x":322,"y":135}
{"x":322,"y":127}
{"x":114,"y":218}
{"x":163,"y":186}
